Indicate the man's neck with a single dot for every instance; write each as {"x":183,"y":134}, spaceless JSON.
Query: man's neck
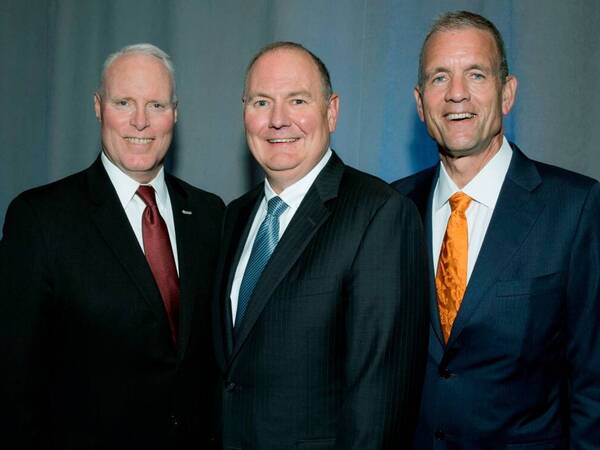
{"x":464,"y":168}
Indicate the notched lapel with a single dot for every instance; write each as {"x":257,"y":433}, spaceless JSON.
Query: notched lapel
{"x":420,"y":191}
{"x":514,"y":216}
{"x":237,"y":227}
{"x":112,"y":223}
{"x":311,"y":214}
{"x":434,"y":315}
{"x":189,"y":246}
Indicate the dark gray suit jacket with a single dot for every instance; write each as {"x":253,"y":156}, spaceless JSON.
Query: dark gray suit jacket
{"x":87,"y":362}
{"x":331,"y":351}
{"x":522,"y":366}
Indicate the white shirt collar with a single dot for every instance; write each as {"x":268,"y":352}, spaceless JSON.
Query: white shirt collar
{"x":294,"y":194}
{"x":485,"y":187}
{"x":127,"y":186}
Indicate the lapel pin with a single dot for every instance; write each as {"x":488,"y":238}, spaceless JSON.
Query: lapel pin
{"x":186,"y":212}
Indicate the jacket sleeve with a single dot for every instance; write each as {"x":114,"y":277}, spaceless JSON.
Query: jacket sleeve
{"x":386,"y":332}
{"x":25,"y":328}
{"x":583,"y":328}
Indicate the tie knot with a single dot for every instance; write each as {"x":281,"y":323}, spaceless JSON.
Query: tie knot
{"x":459,"y":202}
{"x":146,"y":193}
{"x":276,"y":206}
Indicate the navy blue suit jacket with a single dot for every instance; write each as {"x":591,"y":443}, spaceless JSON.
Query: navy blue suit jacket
{"x":521,"y":369}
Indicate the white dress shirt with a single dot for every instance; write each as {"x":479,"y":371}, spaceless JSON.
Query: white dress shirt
{"x":292,"y":196}
{"x":134,"y":206}
{"x":484,"y":189}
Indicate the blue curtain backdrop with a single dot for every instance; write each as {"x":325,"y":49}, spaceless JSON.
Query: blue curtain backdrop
{"x":52,"y":53}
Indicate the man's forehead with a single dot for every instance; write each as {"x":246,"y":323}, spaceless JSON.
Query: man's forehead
{"x":137,"y":64}
{"x":283,"y":59}
{"x":287,"y":72}
{"x":469,"y":39}
{"x":283,"y":53}
{"x":134,"y":71}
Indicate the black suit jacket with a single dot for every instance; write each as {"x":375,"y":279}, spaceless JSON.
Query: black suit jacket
{"x":521,"y":369}
{"x":331,"y":349}
{"x":87,"y":362}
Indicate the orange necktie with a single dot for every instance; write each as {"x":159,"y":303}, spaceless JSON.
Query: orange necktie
{"x":451,"y":277}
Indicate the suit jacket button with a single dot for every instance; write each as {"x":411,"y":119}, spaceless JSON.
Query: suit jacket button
{"x":230,"y":387}
{"x":439,"y":435}
{"x":174,"y":420}
{"x":444,"y":373}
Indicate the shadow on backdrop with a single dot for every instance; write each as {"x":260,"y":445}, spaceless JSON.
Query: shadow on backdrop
{"x":171,"y":160}
{"x":423,"y":149}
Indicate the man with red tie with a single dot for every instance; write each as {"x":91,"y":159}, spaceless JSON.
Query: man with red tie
{"x":514,"y":245}
{"x":106,"y":279}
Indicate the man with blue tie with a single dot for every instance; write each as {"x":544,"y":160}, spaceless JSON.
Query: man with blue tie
{"x":514,"y":246}
{"x":320,"y":321}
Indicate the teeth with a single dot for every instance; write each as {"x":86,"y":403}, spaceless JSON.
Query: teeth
{"x":458,"y":116}
{"x":282,"y":141}
{"x":136,"y":140}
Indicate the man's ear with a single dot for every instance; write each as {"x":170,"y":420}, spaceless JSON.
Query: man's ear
{"x":419,"y":103}
{"x":509,"y":93}
{"x":98,"y":107}
{"x":332,"y":111}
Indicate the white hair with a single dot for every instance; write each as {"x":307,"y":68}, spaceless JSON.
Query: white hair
{"x":143,"y":49}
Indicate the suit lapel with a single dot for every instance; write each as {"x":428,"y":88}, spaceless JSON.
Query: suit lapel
{"x":422,"y":196}
{"x":237,"y":229}
{"x":188,"y":234}
{"x":433,"y":304}
{"x":112,"y":223}
{"x":311,"y":214}
{"x":512,"y":220}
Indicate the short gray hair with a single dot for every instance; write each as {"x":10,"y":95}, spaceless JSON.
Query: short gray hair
{"x":456,"y":20}
{"x":141,"y":49}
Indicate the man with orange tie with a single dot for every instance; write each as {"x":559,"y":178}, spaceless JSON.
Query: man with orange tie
{"x":106,"y":279}
{"x":514,"y":346}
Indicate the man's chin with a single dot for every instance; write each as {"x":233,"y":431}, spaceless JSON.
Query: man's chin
{"x":141,"y":173}
{"x":457,"y":152}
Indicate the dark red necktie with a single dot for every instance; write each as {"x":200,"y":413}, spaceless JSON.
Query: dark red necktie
{"x":159,"y":254}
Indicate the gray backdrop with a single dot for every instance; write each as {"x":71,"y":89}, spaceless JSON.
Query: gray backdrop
{"x":52,"y":51}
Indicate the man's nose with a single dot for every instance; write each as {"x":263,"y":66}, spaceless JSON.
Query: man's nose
{"x":457,"y":90}
{"x":139,"y":119}
{"x":279,"y":116}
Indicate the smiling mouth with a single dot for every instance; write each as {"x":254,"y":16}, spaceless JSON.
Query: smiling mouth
{"x":460,"y":116}
{"x":138,"y":140}
{"x":282,"y":140}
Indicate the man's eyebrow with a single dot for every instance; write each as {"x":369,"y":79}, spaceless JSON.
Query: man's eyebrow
{"x":120,"y":97}
{"x":479,"y":67}
{"x":157,"y":100}
{"x":250,"y":95}
{"x":437,"y":69}
{"x":447,"y":70}
{"x":302,"y":93}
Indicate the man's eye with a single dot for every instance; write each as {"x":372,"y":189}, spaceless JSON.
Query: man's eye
{"x":438,"y":79}
{"x":477,"y":76}
{"x":260,"y":103}
{"x":157,"y":106}
{"x":298,"y":101}
{"x":121,"y":103}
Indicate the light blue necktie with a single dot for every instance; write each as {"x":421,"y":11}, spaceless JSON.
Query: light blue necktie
{"x":264,"y":244}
